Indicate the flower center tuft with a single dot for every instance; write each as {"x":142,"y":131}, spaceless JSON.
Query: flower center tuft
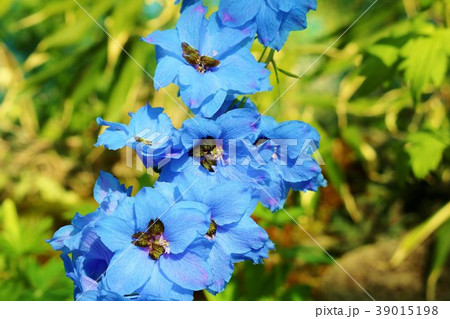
{"x":200,"y":62}
{"x":212,"y":229}
{"x":152,"y":239}
{"x":260,"y":141}
{"x":142,"y":140}
{"x":208,"y":151}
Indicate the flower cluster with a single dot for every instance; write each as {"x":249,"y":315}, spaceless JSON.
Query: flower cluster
{"x":186,"y":232}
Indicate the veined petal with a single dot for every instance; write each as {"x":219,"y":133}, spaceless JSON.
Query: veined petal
{"x":221,"y":268}
{"x":235,"y":13}
{"x":160,"y":288}
{"x":167,"y":40}
{"x":105,"y":183}
{"x":150,"y":205}
{"x":192,"y":25}
{"x":187,"y":270}
{"x":241,"y":237}
{"x":183,"y":223}
{"x":167,"y":70}
{"x":269,"y":22}
{"x":129,"y":270}
{"x":230,"y":208}
{"x":115,"y":233}
{"x":114,"y":137}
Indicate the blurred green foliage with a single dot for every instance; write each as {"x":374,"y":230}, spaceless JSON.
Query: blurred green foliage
{"x":380,"y":98}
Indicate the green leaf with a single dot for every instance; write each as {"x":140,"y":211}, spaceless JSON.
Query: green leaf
{"x":416,"y":236}
{"x":11,"y":228}
{"x":386,"y":53}
{"x":425,"y":61}
{"x":440,"y":256}
{"x":425,"y":150}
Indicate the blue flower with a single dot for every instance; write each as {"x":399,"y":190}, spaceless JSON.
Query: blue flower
{"x":213,"y":151}
{"x":274,"y":19}
{"x":84,"y":255}
{"x":287,"y":147}
{"x":159,"y":246}
{"x":86,"y":265}
{"x":149,"y":133}
{"x":207,"y":61}
{"x":232,"y":232}
{"x":108,"y":193}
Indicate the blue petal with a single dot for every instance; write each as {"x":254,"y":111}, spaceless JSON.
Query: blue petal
{"x":239,"y":124}
{"x":309,"y":185}
{"x":235,"y":13}
{"x":183,"y":223}
{"x":114,"y":137}
{"x":269,"y":22}
{"x":198,"y":129}
{"x":304,"y":171}
{"x":220,"y":40}
{"x":129,"y":270}
{"x":167,"y":69}
{"x":169,"y":190}
{"x":242,"y":74}
{"x":160,"y":288}
{"x":105,"y":183}
{"x":57,"y":241}
{"x":187,"y":270}
{"x":303,"y":133}
{"x":241,"y":237}
{"x":150,"y":205}
{"x":221,"y":268}
{"x":272,"y":190}
{"x":167,"y":40}
{"x":211,"y":105}
{"x":192,"y":25}
{"x":256,"y":255}
{"x":115,"y":232}
{"x":228,"y":202}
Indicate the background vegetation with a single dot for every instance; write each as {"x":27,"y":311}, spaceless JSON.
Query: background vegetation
{"x":380,"y":98}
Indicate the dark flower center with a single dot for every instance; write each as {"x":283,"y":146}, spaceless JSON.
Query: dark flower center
{"x":200,"y":62}
{"x":260,"y":141}
{"x":212,"y":229}
{"x":208,"y":152}
{"x":152,"y":239}
{"x":142,"y":140}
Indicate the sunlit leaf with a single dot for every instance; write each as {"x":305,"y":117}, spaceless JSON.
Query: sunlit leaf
{"x":425,"y":150}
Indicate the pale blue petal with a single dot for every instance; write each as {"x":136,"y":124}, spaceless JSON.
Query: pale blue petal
{"x":187,"y":270}
{"x":129,"y":270}
{"x":183,"y":223}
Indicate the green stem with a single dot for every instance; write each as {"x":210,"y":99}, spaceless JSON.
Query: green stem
{"x":270,"y":56}
{"x":233,"y":104}
{"x":292,"y":75}
{"x":262,"y":54}
{"x":241,"y":105}
{"x":276,"y":71}
{"x":446,"y":13}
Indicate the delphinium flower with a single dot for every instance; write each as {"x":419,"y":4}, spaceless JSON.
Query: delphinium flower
{"x":287,"y":149}
{"x":232,"y":232}
{"x":207,"y":60}
{"x":186,"y":232}
{"x":158,"y":245}
{"x":213,"y":152}
{"x":149,"y":133}
{"x":274,"y":19}
{"x":84,"y":255}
